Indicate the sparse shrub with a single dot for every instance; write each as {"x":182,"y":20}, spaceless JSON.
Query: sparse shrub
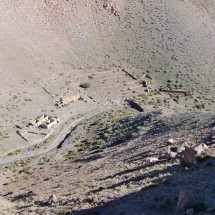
{"x":70,"y":154}
{"x":200,"y":106}
{"x":82,"y":147}
{"x":97,"y":122}
{"x":143,"y":96}
{"x":85,"y":85}
{"x":26,"y":170}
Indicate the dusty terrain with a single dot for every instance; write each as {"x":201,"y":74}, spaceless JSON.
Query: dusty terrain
{"x":119,"y":173}
{"x":49,"y":44}
{"x":105,"y":157}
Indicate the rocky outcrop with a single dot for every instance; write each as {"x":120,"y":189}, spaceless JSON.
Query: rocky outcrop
{"x":112,"y":7}
{"x":189,"y":155}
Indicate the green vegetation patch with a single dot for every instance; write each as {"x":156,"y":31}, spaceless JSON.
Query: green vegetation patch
{"x":85,"y":85}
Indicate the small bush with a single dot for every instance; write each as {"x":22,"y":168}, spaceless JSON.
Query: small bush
{"x":200,"y":106}
{"x":142,"y":96}
{"x":85,"y":85}
{"x":70,"y":154}
{"x":26,"y":170}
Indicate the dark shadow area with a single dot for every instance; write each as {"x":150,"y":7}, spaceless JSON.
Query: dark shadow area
{"x":133,"y":169}
{"x":7,"y":194}
{"x":161,"y":195}
{"x":134,"y":105}
{"x":138,"y":156}
{"x":23,"y":196}
{"x":89,"y":158}
{"x":128,"y":127}
{"x":151,"y":174}
{"x":183,"y":122}
{"x":66,"y":137}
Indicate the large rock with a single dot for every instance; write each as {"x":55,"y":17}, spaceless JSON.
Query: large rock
{"x":186,"y":201}
{"x":200,"y":148}
{"x":188,"y":157}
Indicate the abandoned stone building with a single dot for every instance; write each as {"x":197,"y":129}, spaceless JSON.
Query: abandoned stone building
{"x":50,"y":122}
{"x":67,"y":100}
{"x":186,"y":92}
{"x":39,"y":120}
{"x":44,"y":121}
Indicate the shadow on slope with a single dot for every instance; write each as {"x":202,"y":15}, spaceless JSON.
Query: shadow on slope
{"x":160,"y":195}
{"x":160,"y":182}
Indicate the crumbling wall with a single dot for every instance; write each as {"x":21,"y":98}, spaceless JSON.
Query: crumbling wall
{"x":66,"y":100}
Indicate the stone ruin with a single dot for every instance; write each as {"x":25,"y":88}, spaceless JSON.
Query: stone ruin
{"x":186,"y":92}
{"x":50,"y":122}
{"x":44,"y":121}
{"x":66,"y":100}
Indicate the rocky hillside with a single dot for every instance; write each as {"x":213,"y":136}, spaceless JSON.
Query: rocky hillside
{"x":131,"y":173}
{"x":166,"y":38}
{"x":141,"y":127}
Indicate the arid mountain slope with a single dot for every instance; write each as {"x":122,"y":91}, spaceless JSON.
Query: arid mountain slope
{"x":170,"y":39}
{"x":129,"y":173}
{"x":47,"y":43}
{"x":172,"y":36}
{"x":107,"y":151}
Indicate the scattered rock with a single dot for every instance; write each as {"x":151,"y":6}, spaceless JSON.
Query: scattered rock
{"x":186,"y":201}
{"x":171,"y":141}
{"x":200,"y":148}
{"x":189,"y":155}
{"x":153,"y":159}
{"x":52,"y":200}
{"x":172,"y":152}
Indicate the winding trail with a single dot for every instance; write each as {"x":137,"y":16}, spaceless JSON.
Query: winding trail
{"x":56,"y":141}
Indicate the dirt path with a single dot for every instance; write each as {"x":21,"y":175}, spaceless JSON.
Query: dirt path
{"x":56,"y":138}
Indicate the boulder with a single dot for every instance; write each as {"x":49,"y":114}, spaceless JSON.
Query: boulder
{"x":186,"y":201}
{"x":188,"y":157}
{"x":200,"y":148}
